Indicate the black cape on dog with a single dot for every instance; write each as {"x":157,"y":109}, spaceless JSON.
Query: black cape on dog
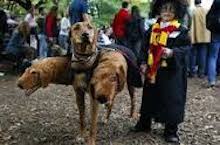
{"x":134,"y":76}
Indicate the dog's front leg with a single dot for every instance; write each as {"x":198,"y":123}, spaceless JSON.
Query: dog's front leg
{"x":109,"y":110}
{"x":80,"y":100}
{"x":131,"y":91}
{"x":79,"y":85}
{"x":94,"y":118}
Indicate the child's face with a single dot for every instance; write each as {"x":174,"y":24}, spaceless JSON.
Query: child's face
{"x":167,"y":12}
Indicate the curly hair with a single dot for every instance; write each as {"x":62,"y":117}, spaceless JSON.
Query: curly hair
{"x":180,"y":7}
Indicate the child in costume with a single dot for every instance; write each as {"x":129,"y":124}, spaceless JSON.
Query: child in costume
{"x":164,"y":92}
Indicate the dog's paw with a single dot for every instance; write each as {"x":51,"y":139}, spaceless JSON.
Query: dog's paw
{"x":105,"y":121}
{"x":91,"y":141}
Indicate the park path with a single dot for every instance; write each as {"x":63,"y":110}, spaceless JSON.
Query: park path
{"x":50,"y":117}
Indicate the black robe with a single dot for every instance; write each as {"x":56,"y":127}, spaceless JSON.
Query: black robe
{"x":165,"y":100}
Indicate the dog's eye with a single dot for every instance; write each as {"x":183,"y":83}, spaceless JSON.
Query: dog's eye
{"x":77,"y":27}
{"x":113,"y":78}
{"x":90,"y":27}
{"x":33,"y":71}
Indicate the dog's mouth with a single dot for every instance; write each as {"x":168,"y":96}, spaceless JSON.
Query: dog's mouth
{"x":28,"y":92}
{"x":86,"y":38}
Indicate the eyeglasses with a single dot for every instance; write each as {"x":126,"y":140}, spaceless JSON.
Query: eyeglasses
{"x":167,"y":8}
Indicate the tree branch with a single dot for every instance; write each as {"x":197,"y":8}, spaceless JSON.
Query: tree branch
{"x":24,"y":4}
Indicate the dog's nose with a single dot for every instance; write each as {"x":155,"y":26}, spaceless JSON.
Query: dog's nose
{"x":102,"y":99}
{"x":20,"y":85}
{"x":85,"y":36}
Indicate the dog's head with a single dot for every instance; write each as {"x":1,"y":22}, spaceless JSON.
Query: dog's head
{"x":105,"y":84}
{"x":30,"y":81}
{"x":83,"y":38}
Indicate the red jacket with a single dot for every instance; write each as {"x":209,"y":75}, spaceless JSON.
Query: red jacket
{"x":51,"y":25}
{"x":119,"y":23}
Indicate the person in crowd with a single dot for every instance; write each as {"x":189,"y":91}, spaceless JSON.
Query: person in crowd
{"x":78,"y":11}
{"x":119,"y":24}
{"x":200,"y":38}
{"x":218,"y":64}
{"x":104,"y":36}
{"x":3,"y":28}
{"x":51,"y":27}
{"x":135,"y":31}
{"x":164,"y":59}
{"x":30,"y":19}
{"x":43,"y":49}
{"x":64,"y":31}
{"x":213,"y":23}
{"x":18,"y":39}
{"x":17,"y":49}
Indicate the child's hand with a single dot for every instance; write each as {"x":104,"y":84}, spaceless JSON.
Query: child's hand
{"x":167,"y":53}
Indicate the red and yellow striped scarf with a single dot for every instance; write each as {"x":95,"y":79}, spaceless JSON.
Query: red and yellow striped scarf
{"x":158,"y":40}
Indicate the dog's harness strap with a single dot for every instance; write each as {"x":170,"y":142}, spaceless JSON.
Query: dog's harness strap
{"x":89,"y":71}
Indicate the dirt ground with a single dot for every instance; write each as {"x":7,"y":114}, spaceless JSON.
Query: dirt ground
{"x":50,"y":117}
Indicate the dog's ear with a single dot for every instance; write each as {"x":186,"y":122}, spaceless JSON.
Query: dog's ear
{"x":121,"y":76}
{"x":74,"y":38}
{"x":33,"y":71}
{"x":44,"y":78}
{"x":95,"y":38}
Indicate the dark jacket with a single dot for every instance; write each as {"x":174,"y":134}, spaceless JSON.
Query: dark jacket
{"x":41,"y":25}
{"x":135,"y":29}
{"x":3,"y":24}
{"x":213,"y":17}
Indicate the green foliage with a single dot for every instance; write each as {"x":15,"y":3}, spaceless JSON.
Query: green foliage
{"x":102,"y":11}
{"x":108,"y":8}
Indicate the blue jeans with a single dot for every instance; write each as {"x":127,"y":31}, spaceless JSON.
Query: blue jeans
{"x":63,"y":41}
{"x":198,"y":56}
{"x":43,"y":49}
{"x":218,"y":63}
{"x":212,"y":62}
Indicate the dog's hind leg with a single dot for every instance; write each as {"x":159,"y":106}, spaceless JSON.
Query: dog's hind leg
{"x":131,"y":91}
{"x":94,"y":118}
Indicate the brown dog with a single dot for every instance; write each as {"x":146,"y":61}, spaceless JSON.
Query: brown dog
{"x":84,"y":58}
{"x":43,"y":72}
{"x":109,"y":78}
